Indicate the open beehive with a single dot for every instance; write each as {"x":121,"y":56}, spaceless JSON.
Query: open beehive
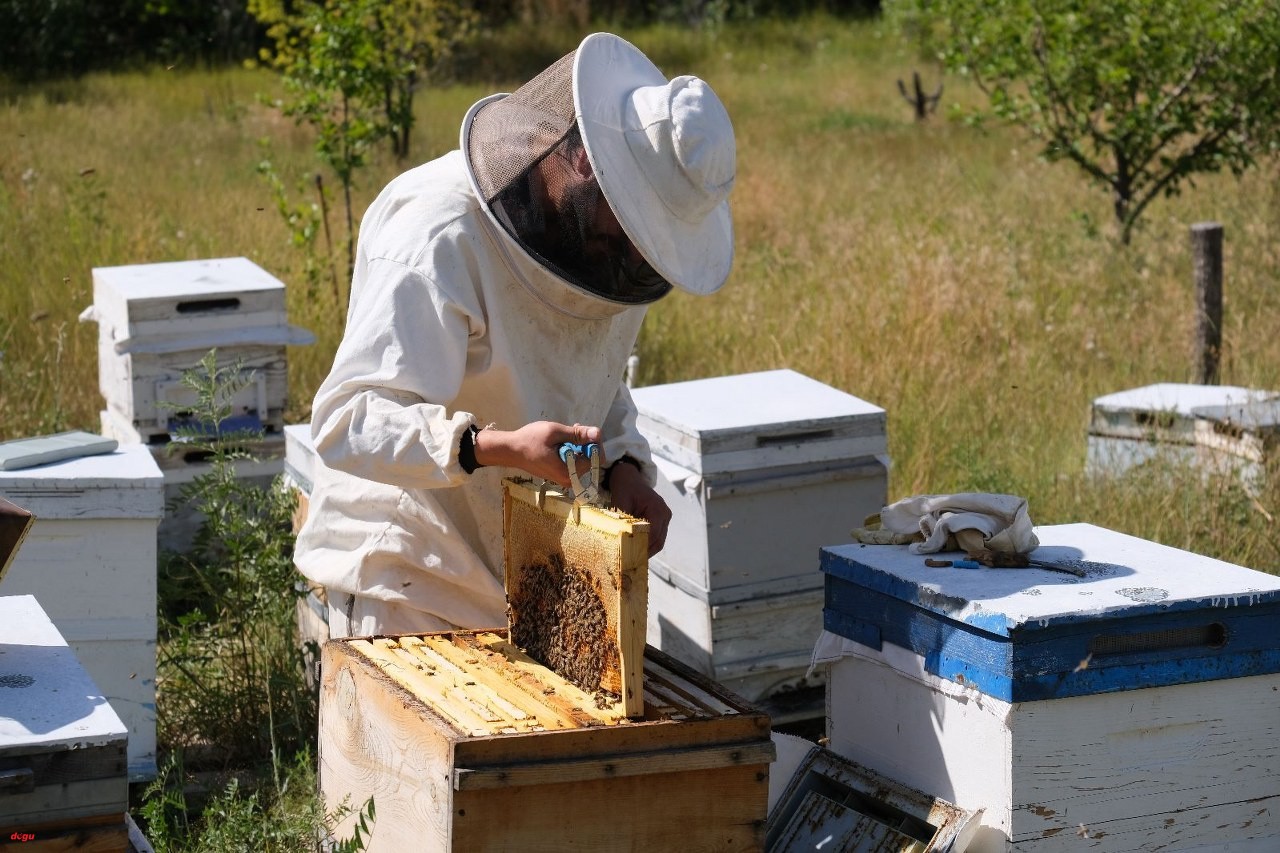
{"x":467,"y":744}
{"x":577,"y":590}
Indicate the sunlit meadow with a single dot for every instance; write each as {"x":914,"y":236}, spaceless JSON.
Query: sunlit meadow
{"x":939,"y":270}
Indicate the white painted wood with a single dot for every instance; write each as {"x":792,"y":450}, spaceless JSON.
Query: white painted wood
{"x":50,"y":704}
{"x":1137,"y":769}
{"x":133,"y":385}
{"x":757,"y":420}
{"x":756,"y":647}
{"x":300,"y":456}
{"x":158,"y":320}
{"x":93,"y":575}
{"x":740,"y":460}
{"x":1109,"y":456}
{"x":1191,"y":766}
{"x":90,"y":558}
{"x":122,"y":484}
{"x":1164,"y":411}
{"x":140,"y":300}
{"x":180,"y":465}
{"x":128,"y":666}
{"x":50,"y":701}
{"x":724,"y":530}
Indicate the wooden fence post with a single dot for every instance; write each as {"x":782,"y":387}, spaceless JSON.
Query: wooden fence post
{"x":1206,"y":248}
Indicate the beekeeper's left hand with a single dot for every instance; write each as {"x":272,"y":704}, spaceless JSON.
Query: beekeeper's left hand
{"x":633,"y":495}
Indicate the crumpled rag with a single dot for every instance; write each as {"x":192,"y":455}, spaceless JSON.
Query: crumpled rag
{"x":968,"y":521}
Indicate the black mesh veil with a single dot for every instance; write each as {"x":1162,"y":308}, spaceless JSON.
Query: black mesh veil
{"x":533,"y":172}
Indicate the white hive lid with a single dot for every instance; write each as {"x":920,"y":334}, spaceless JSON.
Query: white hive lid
{"x":142,"y":300}
{"x":49,"y":700}
{"x":763,"y":419}
{"x":1164,"y":411}
{"x":126,"y":483}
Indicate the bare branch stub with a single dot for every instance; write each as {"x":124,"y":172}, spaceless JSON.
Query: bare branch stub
{"x":920,"y":102}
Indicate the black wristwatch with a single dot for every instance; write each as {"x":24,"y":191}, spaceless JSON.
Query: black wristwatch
{"x":467,"y":449}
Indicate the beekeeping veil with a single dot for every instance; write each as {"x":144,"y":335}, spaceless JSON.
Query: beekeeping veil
{"x":609,"y":174}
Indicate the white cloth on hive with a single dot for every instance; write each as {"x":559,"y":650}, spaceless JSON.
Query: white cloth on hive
{"x":967,"y":521}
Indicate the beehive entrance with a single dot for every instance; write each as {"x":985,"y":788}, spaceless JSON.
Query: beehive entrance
{"x":577,"y":590}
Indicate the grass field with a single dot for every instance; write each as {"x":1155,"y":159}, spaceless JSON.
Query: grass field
{"x":939,"y":270}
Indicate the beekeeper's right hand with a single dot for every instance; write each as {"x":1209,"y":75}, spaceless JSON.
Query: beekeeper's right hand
{"x":533,"y":448}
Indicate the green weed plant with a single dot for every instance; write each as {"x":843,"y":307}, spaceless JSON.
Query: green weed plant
{"x":231,"y":672}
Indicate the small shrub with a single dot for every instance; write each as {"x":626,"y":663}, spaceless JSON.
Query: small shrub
{"x":231,"y":684}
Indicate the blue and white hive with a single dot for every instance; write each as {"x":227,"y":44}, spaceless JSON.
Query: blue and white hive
{"x":1134,"y":708}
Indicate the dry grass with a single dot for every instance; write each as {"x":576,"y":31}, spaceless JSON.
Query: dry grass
{"x":941,"y":271}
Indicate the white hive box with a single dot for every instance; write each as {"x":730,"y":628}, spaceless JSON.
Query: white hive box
{"x":299,"y":457}
{"x":62,"y":747}
{"x":299,"y":475}
{"x":1132,"y":709}
{"x":1129,"y":428}
{"x":759,"y":470}
{"x":90,"y":557}
{"x":157,"y":320}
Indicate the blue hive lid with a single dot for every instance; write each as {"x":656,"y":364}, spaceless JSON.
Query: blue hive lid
{"x":1142,"y":615}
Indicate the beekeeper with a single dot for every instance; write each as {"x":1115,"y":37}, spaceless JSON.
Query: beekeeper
{"x":497,"y":294}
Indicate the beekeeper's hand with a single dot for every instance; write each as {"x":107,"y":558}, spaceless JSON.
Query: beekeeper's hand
{"x":534,"y":448}
{"x":633,"y":495}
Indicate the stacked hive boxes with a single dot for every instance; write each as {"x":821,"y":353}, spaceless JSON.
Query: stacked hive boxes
{"x":90,"y":558}
{"x":157,"y":321}
{"x":760,"y":471}
{"x":1133,"y":708}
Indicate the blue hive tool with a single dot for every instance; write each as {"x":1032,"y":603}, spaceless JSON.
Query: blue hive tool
{"x":585,"y":487}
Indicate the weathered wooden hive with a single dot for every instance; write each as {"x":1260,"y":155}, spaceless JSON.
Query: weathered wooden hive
{"x":465,"y":743}
{"x":1134,"y":708}
{"x":156,"y":321}
{"x":1157,"y":422}
{"x":760,"y":470}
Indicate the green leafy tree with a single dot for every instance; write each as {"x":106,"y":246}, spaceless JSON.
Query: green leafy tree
{"x":350,"y":70}
{"x":1141,"y":94}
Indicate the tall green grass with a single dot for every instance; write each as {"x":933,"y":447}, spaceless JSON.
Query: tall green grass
{"x":939,"y":270}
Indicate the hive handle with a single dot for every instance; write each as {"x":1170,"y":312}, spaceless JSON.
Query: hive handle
{"x":17,"y":780}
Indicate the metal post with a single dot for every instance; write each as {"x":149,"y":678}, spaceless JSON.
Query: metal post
{"x":1206,"y":249}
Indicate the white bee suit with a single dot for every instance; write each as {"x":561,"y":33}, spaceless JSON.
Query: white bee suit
{"x":450,"y":324}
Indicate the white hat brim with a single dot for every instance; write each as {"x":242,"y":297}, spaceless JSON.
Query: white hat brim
{"x":695,"y":257}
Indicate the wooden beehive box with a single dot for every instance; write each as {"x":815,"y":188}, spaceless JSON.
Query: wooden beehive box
{"x":760,"y":470}
{"x":1132,"y":709}
{"x":157,"y":320}
{"x":90,"y":558}
{"x":576,"y":581}
{"x":62,"y":747}
{"x":466,"y":744}
{"x":1154,"y":422}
